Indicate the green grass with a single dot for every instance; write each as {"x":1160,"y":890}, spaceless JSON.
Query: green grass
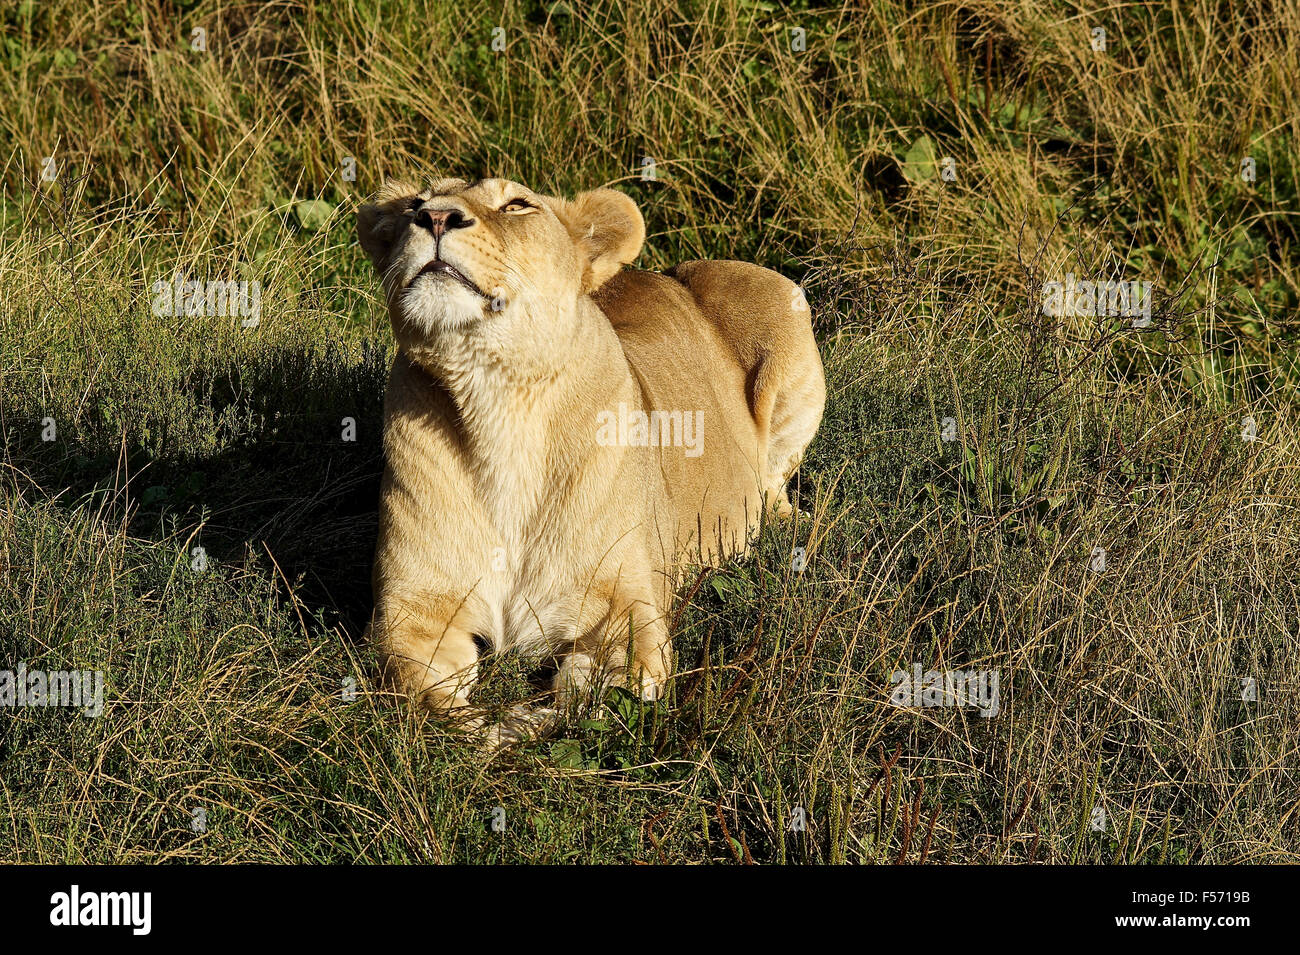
{"x":1121,"y":689}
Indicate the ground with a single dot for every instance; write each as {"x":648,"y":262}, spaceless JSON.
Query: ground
{"x":1100,"y":509}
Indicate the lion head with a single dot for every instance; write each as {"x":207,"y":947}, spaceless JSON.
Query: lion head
{"x":459,"y":258}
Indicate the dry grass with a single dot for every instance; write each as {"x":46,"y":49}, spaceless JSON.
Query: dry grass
{"x":1121,"y":687}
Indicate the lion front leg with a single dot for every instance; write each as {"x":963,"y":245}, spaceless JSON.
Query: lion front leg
{"x":429,"y":653}
{"x":630,"y":647}
{"x":431,"y":658}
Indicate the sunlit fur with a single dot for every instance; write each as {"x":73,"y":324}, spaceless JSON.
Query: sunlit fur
{"x":502,"y":515}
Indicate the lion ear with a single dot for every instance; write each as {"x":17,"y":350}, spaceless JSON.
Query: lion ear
{"x":379,"y":219}
{"x":607,"y":227}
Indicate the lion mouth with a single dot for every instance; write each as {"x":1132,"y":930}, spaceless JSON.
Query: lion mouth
{"x":439,"y":267}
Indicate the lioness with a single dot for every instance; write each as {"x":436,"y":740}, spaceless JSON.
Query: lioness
{"x":560,"y":434}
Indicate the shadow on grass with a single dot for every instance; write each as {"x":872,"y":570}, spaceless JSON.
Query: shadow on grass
{"x":281,"y":457}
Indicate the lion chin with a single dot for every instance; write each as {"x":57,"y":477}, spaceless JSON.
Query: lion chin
{"x":563,"y":436}
{"x":431,"y":301}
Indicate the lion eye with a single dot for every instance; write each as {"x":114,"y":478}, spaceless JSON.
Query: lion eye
{"x":517,"y":205}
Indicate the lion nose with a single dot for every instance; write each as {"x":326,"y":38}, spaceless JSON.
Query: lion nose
{"x":441,"y":221}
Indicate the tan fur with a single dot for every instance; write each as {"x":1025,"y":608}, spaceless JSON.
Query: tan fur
{"x":507,"y":512}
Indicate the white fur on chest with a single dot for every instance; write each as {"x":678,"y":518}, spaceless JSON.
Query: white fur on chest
{"x":534,"y":615}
